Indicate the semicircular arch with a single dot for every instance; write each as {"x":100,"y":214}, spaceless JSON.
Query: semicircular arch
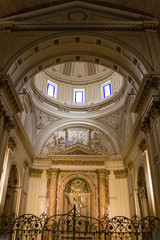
{"x":108,"y":52}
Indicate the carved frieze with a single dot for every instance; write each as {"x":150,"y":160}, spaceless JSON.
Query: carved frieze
{"x":76,"y":162}
{"x":33,"y":172}
{"x":8,"y":123}
{"x":6,"y":83}
{"x":120,"y":174}
{"x":11,"y":143}
{"x":142,"y":145}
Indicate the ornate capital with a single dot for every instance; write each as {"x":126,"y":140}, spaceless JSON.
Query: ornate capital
{"x":103,"y":173}
{"x":11,"y":143}
{"x":143,"y":145}
{"x":8,"y":123}
{"x":33,"y":172}
{"x":25,"y":164}
{"x":52,"y":172}
{"x":6,"y":83}
{"x":2,"y":110}
{"x":154,"y":109}
{"x":130,"y":165}
{"x":145,"y":125}
{"x":119,"y":174}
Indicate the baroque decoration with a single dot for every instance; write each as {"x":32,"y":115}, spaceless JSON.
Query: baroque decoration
{"x":84,"y":135}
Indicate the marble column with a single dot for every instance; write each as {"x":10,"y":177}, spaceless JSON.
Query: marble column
{"x":52,"y":174}
{"x":102,"y":175}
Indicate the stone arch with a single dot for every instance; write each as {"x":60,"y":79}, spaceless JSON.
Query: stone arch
{"x":102,"y":50}
{"x":89,"y":179}
{"x":11,"y":206}
{"x":48,"y":131}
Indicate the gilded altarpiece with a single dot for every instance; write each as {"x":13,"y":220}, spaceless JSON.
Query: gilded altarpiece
{"x":81,"y":187}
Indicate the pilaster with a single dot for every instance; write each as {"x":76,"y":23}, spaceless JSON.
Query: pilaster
{"x":102,"y":175}
{"x":52,"y":174}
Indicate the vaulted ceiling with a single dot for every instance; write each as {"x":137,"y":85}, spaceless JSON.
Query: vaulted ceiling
{"x":11,"y":7}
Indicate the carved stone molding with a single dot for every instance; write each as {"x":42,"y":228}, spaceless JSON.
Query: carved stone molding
{"x":103,"y":173}
{"x":149,"y":83}
{"x":120,"y":174}
{"x":145,"y":125}
{"x":80,"y":162}
{"x":52,"y":172}
{"x":154,"y":109}
{"x":130,"y":165}
{"x":25,"y":164}
{"x":142,"y":145}
{"x":6,"y":83}
{"x":2,"y":109}
{"x":11,"y":143}
{"x":80,"y":26}
{"x":8,"y":123}
{"x":33,"y":172}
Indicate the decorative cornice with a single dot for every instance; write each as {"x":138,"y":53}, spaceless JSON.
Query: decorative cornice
{"x":103,"y":173}
{"x":154,"y":109}
{"x":52,"y":172}
{"x":145,"y":125}
{"x":11,"y":143}
{"x":6,"y":83}
{"x":149,"y":83}
{"x":25,"y":164}
{"x":8,"y":124}
{"x":80,"y":26}
{"x":119,"y":174}
{"x":33,"y":172}
{"x":130,"y":165}
{"x":142,"y":145}
{"x":2,"y":109}
{"x":51,"y":157}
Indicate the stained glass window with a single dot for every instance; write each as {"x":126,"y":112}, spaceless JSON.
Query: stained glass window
{"x":106,"y":90}
{"x":51,"y":90}
{"x":78,"y":96}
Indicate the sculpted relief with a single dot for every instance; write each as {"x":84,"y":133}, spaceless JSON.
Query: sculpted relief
{"x":92,"y":137}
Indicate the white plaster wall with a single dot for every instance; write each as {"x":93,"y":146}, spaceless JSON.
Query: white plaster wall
{"x":119,"y":200}
{"x":36,"y":195}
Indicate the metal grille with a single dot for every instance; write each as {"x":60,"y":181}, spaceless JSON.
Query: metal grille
{"x":73,"y":225}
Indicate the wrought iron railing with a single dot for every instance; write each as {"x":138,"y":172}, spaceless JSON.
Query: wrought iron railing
{"x":73,"y":225}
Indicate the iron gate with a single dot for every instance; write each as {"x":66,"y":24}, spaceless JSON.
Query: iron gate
{"x":73,"y":225}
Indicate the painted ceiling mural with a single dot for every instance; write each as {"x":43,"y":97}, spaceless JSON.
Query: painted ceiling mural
{"x":85,"y":135}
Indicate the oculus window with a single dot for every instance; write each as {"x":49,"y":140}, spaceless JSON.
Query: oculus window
{"x":106,"y":90}
{"x":79,"y":95}
{"x":51,"y":90}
